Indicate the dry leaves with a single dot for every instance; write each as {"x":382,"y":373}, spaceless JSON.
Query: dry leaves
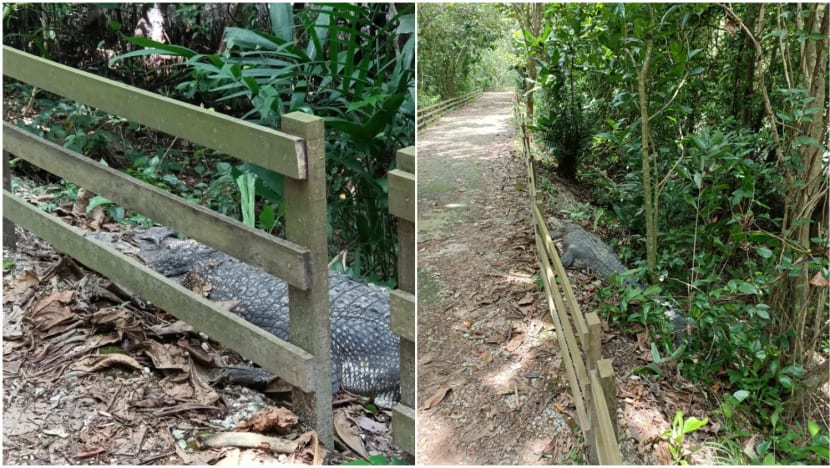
{"x":277,"y":419}
{"x":348,"y":433}
{"x":51,"y":310}
{"x":437,"y":397}
{"x":96,"y":362}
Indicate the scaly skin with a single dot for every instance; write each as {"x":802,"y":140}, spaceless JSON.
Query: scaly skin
{"x":586,"y":251}
{"x":365,"y":352}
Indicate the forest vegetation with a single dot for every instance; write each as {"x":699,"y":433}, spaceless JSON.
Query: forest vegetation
{"x":698,"y":133}
{"x":353,"y":65}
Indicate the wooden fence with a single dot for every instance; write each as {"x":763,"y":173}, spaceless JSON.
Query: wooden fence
{"x":433,"y":112}
{"x":591,"y":378}
{"x":402,"y":300}
{"x":298,"y":152}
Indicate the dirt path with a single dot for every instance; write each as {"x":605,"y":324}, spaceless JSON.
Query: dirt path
{"x":484,"y":341}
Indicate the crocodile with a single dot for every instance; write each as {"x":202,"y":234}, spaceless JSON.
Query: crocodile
{"x":365,"y":351}
{"x":586,"y":251}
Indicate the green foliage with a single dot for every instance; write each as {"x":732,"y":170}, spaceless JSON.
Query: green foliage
{"x":377,"y":460}
{"x":345,"y":65}
{"x":677,"y":433}
{"x":784,"y":443}
{"x":461,"y":46}
{"x":562,"y":122}
{"x":565,"y":132}
{"x":724,"y":195}
{"x":8,"y":264}
{"x":247,"y":187}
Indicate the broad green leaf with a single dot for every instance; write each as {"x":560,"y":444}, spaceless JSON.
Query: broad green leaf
{"x":97,"y":201}
{"x":282,"y":20}
{"x":267,"y":217}
{"x":764,"y":252}
{"x":813,"y":428}
{"x":247,"y":189}
{"x":741,"y":395}
{"x":747,"y":288}
{"x":692,"y":424}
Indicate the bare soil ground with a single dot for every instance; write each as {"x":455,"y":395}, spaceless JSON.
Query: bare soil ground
{"x":490,"y":385}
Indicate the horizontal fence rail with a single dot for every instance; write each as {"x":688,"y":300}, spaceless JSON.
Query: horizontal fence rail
{"x":250,"y":341}
{"x":301,"y":260}
{"x":433,"y":112}
{"x":591,"y":378}
{"x":402,"y":300}
{"x":271,"y":149}
{"x":277,"y":256}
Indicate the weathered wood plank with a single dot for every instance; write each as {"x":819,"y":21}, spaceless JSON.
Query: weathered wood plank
{"x":579,"y":318}
{"x":402,"y":194}
{"x":405,"y":159}
{"x":607,"y":447}
{"x":406,"y":255}
{"x":306,"y":221}
{"x":407,"y":372}
{"x":403,"y":427}
{"x":402,"y":309}
{"x":593,"y":347}
{"x":574,"y":367}
{"x":609,"y":389}
{"x":280,"y":357}
{"x":279,"y":257}
{"x":9,"y":239}
{"x":265,"y":147}
{"x":434,"y":112}
{"x":402,"y":300}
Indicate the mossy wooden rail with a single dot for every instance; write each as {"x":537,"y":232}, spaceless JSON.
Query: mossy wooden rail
{"x":298,"y":152}
{"x":402,"y":300}
{"x":433,"y":112}
{"x":591,"y":378}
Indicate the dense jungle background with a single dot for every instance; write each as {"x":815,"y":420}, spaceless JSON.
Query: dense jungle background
{"x":696,"y":136}
{"x":352,"y":64}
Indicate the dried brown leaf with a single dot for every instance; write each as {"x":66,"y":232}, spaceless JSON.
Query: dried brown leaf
{"x":177,"y":327}
{"x":370,"y":425}
{"x":25,"y":280}
{"x":166,"y":356}
{"x":526,"y":300}
{"x":88,"y":452}
{"x":118,"y":317}
{"x":79,"y":206}
{"x":96,"y":218}
{"x":50,"y":310}
{"x":819,"y":280}
{"x":437,"y":397}
{"x":96,"y":362}
{"x":277,"y":419}
{"x":348,"y":433}
{"x":202,"y":392}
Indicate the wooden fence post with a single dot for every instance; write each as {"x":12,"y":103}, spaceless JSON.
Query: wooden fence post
{"x":306,"y":222}
{"x":402,"y":300}
{"x":9,"y":239}
{"x":609,"y":389}
{"x":406,"y":278}
{"x":592,"y":355}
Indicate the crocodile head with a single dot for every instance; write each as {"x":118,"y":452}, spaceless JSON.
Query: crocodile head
{"x":160,"y":249}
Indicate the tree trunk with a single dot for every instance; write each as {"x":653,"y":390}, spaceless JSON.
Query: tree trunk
{"x":649,"y":192}
{"x":801,"y":297}
{"x":744,"y":89}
